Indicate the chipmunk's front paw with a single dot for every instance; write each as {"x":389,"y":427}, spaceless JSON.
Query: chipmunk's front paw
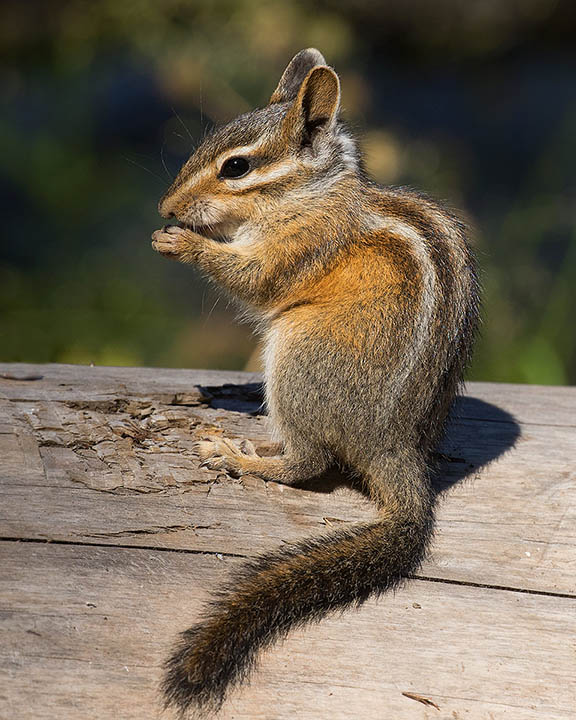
{"x":218,"y":453}
{"x":174,"y":242}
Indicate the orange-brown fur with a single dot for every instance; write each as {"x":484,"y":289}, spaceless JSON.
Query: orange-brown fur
{"x":367,"y":301}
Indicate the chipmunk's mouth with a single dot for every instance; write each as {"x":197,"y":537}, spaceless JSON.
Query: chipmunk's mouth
{"x":214,"y":231}
{"x":199,"y":229}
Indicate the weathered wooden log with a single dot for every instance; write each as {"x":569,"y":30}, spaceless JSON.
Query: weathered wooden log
{"x":113,"y":538}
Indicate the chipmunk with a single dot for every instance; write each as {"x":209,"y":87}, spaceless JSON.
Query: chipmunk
{"x":367,"y":300}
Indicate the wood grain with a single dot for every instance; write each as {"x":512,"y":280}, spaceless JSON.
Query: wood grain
{"x":87,"y":629}
{"x":98,"y":462}
{"x":110,"y":456}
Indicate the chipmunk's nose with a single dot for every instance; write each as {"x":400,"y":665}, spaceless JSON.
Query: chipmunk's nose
{"x":165,"y":208}
{"x":168,"y":206}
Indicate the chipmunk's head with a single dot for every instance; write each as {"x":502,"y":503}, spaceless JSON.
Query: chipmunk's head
{"x":293,"y":147}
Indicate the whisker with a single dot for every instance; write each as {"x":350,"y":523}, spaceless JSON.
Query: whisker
{"x":201,"y":111}
{"x":163,"y":159}
{"x":212,"y":309}
{"x":184,"y":125}
{"x":142,"y":167}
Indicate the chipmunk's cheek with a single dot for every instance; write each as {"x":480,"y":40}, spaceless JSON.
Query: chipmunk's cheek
{"x":234,"y":210}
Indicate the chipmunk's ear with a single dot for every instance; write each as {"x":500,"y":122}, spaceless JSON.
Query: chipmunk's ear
{"x":315,"y":109}
{"x":294,"y":75}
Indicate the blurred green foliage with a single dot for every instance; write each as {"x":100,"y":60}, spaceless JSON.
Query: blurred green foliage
{"x":101,"y":102}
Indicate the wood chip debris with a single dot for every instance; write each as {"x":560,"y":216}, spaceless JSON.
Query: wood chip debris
{"x":420,"y":699}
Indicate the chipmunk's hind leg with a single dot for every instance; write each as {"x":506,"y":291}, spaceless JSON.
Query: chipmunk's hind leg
{"x":218,"y":453}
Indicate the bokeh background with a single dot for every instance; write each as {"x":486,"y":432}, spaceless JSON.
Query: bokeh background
{"x":101,"y":101}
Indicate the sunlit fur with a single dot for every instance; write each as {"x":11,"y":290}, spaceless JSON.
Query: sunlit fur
{"x":368,"y":303}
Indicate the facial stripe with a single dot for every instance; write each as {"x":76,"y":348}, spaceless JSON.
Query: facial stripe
{"x":211,"y":170}
{"x":241,"y":151}
{"x":263,"y":175}
{"x":196,"y":179}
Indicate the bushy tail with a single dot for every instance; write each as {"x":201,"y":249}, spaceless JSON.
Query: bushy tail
{"x":301,"y":583}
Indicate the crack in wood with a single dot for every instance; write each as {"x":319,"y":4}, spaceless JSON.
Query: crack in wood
{"x":156,"y":530}
{"x":226,"y":554}
{"x":155,"y":548}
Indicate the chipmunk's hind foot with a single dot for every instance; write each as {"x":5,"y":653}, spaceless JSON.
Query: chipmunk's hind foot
{"x":219,"y":453}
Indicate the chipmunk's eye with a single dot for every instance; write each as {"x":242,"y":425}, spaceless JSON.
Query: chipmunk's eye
{"x":235,"y":167}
